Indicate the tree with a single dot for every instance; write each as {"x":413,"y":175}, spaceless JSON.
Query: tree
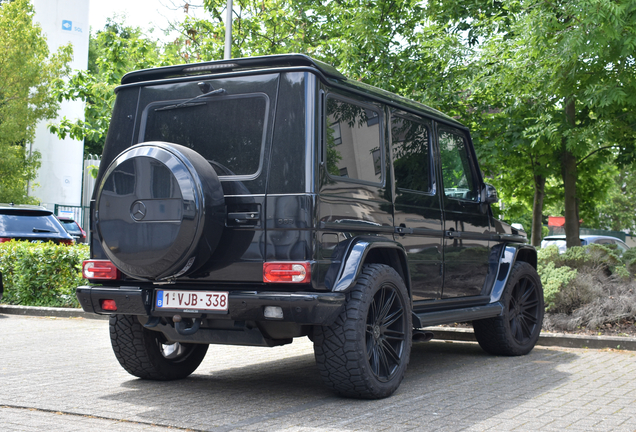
{"x":113,"y":51}
{"x":27,"y":74}
{"x":617,"y":211}
{"x":557,"y":82}
{"x":584,"y":50}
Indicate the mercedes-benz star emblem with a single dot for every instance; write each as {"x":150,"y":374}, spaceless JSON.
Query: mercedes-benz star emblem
{"x":138,"y":210}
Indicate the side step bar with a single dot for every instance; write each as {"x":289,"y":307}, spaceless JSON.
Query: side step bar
{"x":457,"y":315}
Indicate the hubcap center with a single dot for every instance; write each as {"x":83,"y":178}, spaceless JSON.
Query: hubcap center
{"x":376,"y":331}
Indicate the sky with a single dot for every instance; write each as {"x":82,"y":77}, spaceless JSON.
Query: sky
{"x":141,"y":13}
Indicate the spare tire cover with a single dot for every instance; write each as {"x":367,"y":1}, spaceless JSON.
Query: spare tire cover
{"x":160,"y":211}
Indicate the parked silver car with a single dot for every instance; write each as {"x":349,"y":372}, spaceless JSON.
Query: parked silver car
{"x":559,"y":241}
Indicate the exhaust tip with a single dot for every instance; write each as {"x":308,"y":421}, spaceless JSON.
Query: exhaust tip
{"x":422,"y":336}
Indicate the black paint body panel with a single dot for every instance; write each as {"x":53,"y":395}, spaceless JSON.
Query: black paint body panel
{"x":312,"y":200}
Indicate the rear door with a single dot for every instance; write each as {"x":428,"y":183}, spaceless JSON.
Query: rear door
{"x":466,"y":224}
{"x":353,"y":200}
{"x":232,"y":130}
{"x":418,"y":215}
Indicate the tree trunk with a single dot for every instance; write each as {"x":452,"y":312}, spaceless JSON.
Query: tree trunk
{"x":569,"y":185}
{"x":537,"y":210}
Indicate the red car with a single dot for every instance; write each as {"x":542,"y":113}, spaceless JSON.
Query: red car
{"x":73,"y":228}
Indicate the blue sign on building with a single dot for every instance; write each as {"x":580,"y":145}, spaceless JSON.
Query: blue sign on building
{"x":67,"y":25}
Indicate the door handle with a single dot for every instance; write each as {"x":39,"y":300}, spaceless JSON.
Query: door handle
{"x":243,"y":217}
{"x":402,"y":229}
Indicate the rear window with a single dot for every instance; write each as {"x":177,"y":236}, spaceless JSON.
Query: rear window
{"x":11,"y":223}
{"x":70,"y":226}
{"x":229,"y":131}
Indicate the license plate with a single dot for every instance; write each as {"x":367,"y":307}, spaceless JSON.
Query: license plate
{"x":192,"y":300}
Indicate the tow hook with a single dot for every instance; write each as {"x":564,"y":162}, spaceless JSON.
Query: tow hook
{"x":152,"y":321}
{"x":422,"y":336}
{"x":181,"y":328}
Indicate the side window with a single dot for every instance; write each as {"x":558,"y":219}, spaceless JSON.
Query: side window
{"x":353,"y":141}
{"x":457,"y":174}
{"x":411,"y":154}
{"x":622,"y":247}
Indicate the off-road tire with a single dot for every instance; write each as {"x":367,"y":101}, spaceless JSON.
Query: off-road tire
{"x":351,"y":354}
{"x":517,"y":330}
{"x":139,"y":351}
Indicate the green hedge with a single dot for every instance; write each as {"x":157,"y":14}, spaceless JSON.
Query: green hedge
{"x":41,"y":274}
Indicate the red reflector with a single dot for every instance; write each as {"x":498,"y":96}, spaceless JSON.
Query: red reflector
{"x":99,"y":269}
{"x":287,"y":272}
{"x":67,"y":242}
{"x":108,"y":305}
{"x":4,"y":239}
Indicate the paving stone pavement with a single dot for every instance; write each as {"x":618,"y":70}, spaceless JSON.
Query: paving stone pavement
{"x":61,"y":374}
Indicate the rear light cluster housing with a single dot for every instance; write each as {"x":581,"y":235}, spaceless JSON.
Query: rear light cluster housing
{"x":287,"y":272}
{"x":100,"y":270}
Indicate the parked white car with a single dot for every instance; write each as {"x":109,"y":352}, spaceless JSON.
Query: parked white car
{"x":559,"y":241}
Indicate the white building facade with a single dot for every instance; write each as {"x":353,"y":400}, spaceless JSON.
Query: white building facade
{"x":59,"y":179}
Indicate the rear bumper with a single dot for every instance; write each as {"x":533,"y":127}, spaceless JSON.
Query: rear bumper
{"x":298,"y":307}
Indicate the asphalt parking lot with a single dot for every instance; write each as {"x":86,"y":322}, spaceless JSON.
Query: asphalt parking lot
{"x":61,"y":374}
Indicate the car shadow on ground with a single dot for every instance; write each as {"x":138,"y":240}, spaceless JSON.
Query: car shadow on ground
{"x":442,"y":378}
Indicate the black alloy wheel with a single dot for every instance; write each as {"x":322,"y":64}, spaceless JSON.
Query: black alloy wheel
{"x":516,"y":331}
{"x":523,"y":314}
{"x":365,"y":352}
{"x":386,"y":333}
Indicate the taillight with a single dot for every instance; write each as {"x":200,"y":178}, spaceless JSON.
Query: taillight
{"x":286,"y":272}
{"x":107,"y":304}
{"x":4,"y":239}
{"x":99,"y":269}
{"x":67,"y":241}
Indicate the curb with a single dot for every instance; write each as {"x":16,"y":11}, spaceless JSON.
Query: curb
{"x":49,"y":312}
{"x":440,"y":333}
{"x":545,"y":339}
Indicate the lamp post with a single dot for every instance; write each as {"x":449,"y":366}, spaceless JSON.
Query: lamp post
{"x":228,"y":32}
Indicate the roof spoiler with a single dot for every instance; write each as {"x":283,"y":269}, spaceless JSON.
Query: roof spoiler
{"x":193,"y":69}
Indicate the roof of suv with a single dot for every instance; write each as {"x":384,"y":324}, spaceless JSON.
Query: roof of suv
{"x":279,"y":61}
{"x":17,"y":208}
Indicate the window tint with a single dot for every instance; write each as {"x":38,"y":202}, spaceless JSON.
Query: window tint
{"x":11,"y":224}
{"x":411,"y":154}
{"x":456,"y":171}
{"x":353,"y":141}
{"x":210,"y":127}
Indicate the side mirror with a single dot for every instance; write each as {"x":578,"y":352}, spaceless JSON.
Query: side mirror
{"x":489,"y":194}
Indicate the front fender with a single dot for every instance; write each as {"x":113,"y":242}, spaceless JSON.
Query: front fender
{"x":343,"y":273}
{"x":510,"y":253}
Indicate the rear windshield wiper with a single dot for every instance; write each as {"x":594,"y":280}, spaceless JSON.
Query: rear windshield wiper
{"x":41,"y":230}
{"x":190,"y":102}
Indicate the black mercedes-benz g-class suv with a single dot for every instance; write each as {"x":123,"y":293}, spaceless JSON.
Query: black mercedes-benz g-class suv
{"x":252,"y":201}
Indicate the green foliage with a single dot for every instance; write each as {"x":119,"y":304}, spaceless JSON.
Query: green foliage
{"x":27,"y":73}
{"x":566,"y":277}
{"x":554,"y":280}
{"x":113,"y":51}
{"x":41,"y":274}
{"x":617,"y":210}
{"x":505,"y":69}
